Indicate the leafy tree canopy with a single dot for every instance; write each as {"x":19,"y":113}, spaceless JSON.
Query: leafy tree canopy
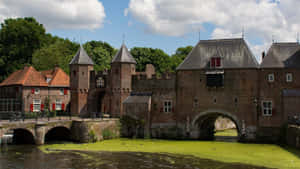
{"x":179,"y":56}
{"x":60,"y":53}
{"x":19,"y":38}
{"x":101,"y":53}
{"x":160,"y":60}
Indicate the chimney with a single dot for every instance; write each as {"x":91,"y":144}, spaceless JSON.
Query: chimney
{"x":263,"y":55}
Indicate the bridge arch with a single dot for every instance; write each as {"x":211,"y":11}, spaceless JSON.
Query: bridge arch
{"x":23,"y":136}
{"x":204,"y":122}
{"x":58,"y":133}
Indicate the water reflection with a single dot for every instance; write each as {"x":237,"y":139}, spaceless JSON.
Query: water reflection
{"x":30,"y":157}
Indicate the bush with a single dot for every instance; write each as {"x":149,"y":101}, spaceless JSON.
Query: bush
{"x":107,"y":134}
{"x":30,"y":115}
{"x":92,"y":136}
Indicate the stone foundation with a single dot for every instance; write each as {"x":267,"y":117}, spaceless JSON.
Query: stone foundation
{"x":293,"y":136}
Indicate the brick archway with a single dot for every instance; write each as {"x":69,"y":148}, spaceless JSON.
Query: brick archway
{"x":204,"y":122}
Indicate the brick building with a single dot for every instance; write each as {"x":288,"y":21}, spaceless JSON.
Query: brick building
{"x":28,"y":90}
{"x":218,"y":78}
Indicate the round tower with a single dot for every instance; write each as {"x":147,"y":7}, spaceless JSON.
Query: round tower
{"x":80,"y":68}
{"x":122,"y":69}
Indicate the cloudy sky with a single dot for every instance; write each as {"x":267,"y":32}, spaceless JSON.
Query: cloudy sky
{"x":165,"y":24}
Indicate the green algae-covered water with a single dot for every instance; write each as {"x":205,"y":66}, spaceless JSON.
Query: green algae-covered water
{"x":151,"y":154}
{"x":30,"y":157}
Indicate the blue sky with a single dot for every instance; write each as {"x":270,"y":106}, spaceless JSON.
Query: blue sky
{"x":165,"y":24}
{"x":116,"y":25}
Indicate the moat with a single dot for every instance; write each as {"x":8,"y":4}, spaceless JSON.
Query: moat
{"x":31,"y":157}
{"x":150,"y":154}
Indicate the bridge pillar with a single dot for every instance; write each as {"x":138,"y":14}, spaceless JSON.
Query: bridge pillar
{"x":1,"y":134}
{"x":80,"y":131}
{"x":40,"y":129}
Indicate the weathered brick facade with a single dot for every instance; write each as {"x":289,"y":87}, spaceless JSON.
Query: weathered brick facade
{"x":218,"y":78}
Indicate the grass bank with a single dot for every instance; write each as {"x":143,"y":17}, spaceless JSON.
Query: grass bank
{"x":272,"y":156}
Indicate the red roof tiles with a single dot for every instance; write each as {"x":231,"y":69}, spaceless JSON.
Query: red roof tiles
{"x":30,"y":77}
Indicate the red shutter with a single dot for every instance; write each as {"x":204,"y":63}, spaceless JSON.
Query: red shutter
{"x":218,"y":62}
{"x":161,"y":109}
{"x":172,"y":109}
{"x":273,"y":111}
{"x":62,"y":106}
{"x":31,"y":107}
{"x":53,"y":106}
{"x":65,"y":91}
{"x":42,"y":107}
{"x":212,"y":62}
{"x":32,"y":91}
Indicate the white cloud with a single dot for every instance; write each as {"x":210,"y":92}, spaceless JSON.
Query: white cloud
{"x":66,"y":14}
{"x":261,"y":19}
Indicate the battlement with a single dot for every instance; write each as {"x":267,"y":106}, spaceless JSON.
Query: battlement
{"x":156,"y":82}
{"x":164,"y":76}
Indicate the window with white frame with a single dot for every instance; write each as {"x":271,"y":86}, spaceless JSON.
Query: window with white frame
{"x":267,"y":108}
{"x":61,"y":91}
{"x":36,"y":105}
{"x":58,"y":105}
{"x":100,"y":82}
{"x":271,"y":77}
{"x":289,"y":77}
{"x":167,"y":106}
{"x":36,"y":91}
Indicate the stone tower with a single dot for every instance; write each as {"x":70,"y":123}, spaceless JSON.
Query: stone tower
{"x":80,"y":68}
{"x":122,"y":69}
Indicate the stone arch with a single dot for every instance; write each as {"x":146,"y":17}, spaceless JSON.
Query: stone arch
{"x":206,"y":119}
{"x":22,"y":136}
{"x":58,"y":133}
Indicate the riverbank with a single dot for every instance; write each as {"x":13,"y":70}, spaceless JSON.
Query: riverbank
{"x":271,"y":156}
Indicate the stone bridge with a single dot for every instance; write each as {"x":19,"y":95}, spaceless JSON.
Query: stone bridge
{"x":39,"y":132}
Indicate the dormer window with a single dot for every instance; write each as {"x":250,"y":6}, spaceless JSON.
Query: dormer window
{"x":215,"y":62}
{"x":48,"y":79}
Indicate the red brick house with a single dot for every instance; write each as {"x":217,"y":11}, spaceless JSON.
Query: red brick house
{"x":28,"y":90}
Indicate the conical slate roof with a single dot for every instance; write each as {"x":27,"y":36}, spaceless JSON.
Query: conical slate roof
{"x":81,"y":58}
{"x":123,"y":56}
{"x":282,"y":55}
{"x":234,"y":53}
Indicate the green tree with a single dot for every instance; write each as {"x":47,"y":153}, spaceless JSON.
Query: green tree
{"x":101,"y":53}
{"x":19,"y":38}
{"x":179,"y":56}
{"x":157,"y":57}
{"x":60,"y":53}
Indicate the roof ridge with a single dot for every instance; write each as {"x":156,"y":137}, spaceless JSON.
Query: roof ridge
{"x":54,"y":75}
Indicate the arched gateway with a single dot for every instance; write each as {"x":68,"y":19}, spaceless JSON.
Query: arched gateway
{"x":203,"y":124}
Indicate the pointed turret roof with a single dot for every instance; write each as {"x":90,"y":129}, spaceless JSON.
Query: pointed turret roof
{"x":123,"y":56}
{"x":81,"y":58}
{"x":235,"y":53}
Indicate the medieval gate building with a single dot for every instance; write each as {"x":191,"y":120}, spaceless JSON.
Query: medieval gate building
{"x":218,"y":78}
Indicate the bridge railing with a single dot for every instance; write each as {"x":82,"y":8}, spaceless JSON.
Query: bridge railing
{"x":46,"y":116}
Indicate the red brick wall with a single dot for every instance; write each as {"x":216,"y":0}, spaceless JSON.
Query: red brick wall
{"x":273,"y":91}
{"x":238,"y":84}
